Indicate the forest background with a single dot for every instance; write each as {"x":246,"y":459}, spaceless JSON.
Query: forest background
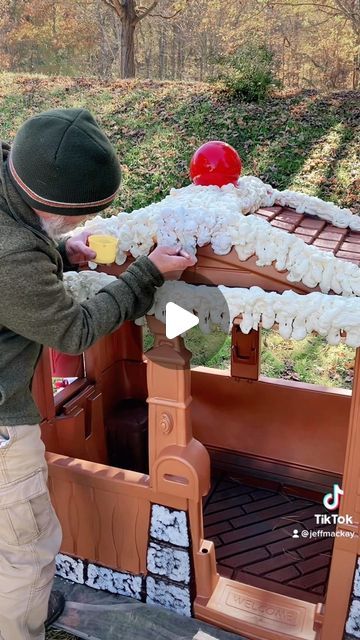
{"x":314,"y":43}
{"x":277,"y":79}
{"x":305,"y":135}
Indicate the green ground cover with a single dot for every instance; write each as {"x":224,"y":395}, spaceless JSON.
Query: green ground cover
{"x":307,"y":140}
{"x":310,"y":360}
{"x":57,"y":634}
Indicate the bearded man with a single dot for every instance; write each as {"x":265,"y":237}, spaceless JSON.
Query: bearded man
{"x":60,"y":170}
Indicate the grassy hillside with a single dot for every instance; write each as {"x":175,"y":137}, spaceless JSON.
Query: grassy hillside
{"x":306,"y":141}
{"x":310,"y":360}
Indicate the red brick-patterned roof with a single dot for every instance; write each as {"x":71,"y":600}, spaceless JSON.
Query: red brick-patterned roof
{"x":343,"y":243}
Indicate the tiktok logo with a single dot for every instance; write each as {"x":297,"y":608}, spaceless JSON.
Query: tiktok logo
{"x":332,"y":500}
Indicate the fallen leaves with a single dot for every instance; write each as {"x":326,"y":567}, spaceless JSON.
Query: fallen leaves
{"x":156,"y":126}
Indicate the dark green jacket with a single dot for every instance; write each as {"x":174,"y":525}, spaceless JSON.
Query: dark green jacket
{"x":36,"y":310}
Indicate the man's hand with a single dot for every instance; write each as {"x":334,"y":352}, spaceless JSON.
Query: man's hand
{"x":171,"y":261}
{"x":77,"y":249}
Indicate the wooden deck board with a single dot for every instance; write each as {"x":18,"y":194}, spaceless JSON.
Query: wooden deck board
{"x":252,"y":529}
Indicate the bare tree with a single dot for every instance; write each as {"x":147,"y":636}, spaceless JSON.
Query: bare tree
{"x":347,"y":9}
{"x":130,"y":14}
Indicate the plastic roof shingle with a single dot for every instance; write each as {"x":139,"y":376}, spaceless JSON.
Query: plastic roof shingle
{"x":343,"y":243}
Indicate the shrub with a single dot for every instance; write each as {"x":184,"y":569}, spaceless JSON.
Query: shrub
{"x":248,"y":74}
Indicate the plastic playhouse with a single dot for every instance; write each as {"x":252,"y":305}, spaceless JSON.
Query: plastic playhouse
{"x":191,"y":487}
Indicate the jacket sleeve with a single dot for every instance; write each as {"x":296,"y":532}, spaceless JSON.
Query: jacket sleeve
{"x":35,"y":304}
{"x":62,"y":250}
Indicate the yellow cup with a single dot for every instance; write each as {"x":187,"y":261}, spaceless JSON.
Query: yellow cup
{"x":105,"y":247}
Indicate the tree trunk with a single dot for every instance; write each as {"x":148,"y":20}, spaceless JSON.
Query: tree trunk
{"x":173,"y":51}
{"x":162,"y":47}
{"x":106,"y":56}
{"x":117,"y":53}
{"x":356,"y":65}
{"x":126,"y":24}
{"x":127,"y":48}
{"x":180,"y":56}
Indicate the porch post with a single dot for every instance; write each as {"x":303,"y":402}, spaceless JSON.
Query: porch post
{"x":168,"y":376}
{"x":179,"y":465}
{"x":346,"y":550}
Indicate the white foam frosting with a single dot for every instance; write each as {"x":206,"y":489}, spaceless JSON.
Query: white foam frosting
{"x":296,"y":315}
{"x":195,"y":216}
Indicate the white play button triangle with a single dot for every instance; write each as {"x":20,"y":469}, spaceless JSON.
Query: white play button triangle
{"x":178,"y":320}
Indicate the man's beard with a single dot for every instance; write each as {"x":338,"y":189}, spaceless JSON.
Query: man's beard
{"x":57,"y":227}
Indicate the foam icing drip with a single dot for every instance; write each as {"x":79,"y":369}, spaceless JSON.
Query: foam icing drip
{"x":296,"y":315}
{"x":85,"y":284}
{"x":328,"y":211}
{"x":195,"y":216}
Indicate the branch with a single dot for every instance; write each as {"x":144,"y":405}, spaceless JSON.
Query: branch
{"x":118,"y":7}
{"x":142,"y":15}
{"x":339,"y":10}
{"x":352,"y":15}
{"x":109,"y":4}
{"x":160,"y":15}
{"x":302,"y":4}
{"x":318,"y":24}
{"x":317,"y":65}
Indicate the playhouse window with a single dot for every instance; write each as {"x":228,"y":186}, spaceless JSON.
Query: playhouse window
{"x":148,"y":339}
{"x":208,"y":350}
{"x":65,"y":369}
{"x":311,"y":360}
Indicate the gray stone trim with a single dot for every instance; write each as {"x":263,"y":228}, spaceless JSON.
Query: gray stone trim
{"x":70,"y":568}
{"x":174,"y":597}
{"x":105,"y":579}
{"x":165,"y":560}
{"x":170,"y":579}
{"x":98,"y":577}
{"x":352,"y":626}
{"x":169,"y":525}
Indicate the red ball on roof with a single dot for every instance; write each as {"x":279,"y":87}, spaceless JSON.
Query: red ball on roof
{"x":215,"y":163}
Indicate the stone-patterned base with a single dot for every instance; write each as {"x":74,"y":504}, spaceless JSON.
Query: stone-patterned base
{"x":353,"y":622}
{"x":356,"y":591}
{"x":170,"y":579}
{"x":163,"y":560}
{"x":107,"y":580}
{"x":174,"y":597}
{"x":169,"y":563}
{"x":168,"y":525}
{"x":98,"y":577}
{"x":70,"y":568}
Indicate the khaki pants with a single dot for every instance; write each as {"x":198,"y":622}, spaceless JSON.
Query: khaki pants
{"x":30,"y":534}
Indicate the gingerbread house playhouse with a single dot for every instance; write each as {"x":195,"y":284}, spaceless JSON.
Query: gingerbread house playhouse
{"x":228,"y":468}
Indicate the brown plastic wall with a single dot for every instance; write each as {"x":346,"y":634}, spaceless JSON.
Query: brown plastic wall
{"x":346,"y":550}
{"x":90,"y":497}
{"x":104,"y":512}
{"x":273,"y":420}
